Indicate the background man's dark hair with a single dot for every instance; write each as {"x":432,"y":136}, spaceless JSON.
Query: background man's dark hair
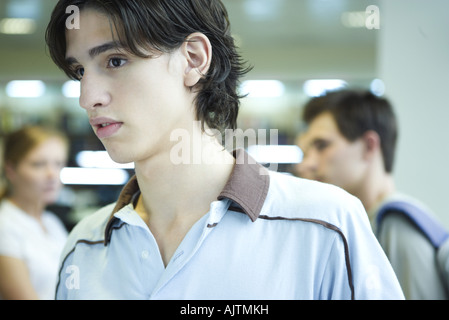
{"x":163,"y":25}
{"x":355,"y":113}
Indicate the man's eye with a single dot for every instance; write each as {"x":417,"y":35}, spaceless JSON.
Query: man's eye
{"x":79,"y":72}
{"x":116,"y":62}
{"x":321,"y":145}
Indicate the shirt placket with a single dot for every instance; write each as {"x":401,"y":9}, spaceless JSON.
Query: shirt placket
{"x":192,"y":243}
{"x":150,"y":265}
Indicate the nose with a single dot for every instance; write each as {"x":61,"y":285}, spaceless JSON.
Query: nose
{"x":53,"y":172}
{"x":308,"y":166}
{"x":93,"y":93}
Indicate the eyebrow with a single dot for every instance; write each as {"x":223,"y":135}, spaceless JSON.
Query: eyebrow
{"x":95,"y":51}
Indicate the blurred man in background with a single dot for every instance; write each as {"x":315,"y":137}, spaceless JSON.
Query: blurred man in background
{"x":350,"y":142}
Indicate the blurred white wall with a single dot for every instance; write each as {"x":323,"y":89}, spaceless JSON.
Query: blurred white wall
{"x":414,"y":65}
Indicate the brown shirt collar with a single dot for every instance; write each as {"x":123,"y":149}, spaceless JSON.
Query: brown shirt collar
{"x":247,"y":187}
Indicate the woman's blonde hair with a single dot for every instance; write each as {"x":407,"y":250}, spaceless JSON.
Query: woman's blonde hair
{"x":18,"y":144}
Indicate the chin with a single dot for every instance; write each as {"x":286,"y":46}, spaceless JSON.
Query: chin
{"x":51,"y":196}
{"x":118,"y":152}
{"x":50,"y":200}
{"x":120,"y":158}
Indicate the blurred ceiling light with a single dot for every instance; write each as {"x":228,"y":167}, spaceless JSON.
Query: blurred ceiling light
{"x":71,"y":89}
{"x":99,"y":159}
{"x":263,"y":88}
{"x":377,"y":87}
{"x":25,"y":89}
{"x":275,"y":153}
{"x":24,"y":8}
{"x":262,"y":10}
{"x":93,"y":176}
{"x":315,"y":88}
{"x":17,"y":26}
{"x":353,"y":19}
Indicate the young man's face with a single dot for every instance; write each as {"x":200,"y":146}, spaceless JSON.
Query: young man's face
{"x":133,"y":103}
{"x":329,"y":157}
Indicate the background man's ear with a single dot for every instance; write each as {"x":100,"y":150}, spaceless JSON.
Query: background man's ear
{"x":371,"y":141}
{"x":198,"y":52}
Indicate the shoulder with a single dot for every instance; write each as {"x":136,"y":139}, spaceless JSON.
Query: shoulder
{"x":406,"y":215}
{"x":304,"y":189}
{"x":14,"y":231}
{"x":302,"y":198}
{"x":90,"y":228}
{"x":397,"y":227}
{"x":345,"y":221}
{"x":7,"y":212}
{"x":54,"y":223}
{"x":12,"y":221}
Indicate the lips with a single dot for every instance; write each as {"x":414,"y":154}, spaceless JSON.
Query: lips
{"x":105,"y":127}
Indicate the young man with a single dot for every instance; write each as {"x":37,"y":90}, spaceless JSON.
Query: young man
{"x":350,"y":142}
{"x":224,"y":228}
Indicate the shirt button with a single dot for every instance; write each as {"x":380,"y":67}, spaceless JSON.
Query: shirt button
{"x":145,"y":254}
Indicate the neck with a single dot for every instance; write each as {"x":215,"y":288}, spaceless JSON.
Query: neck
{"x":32,"y":208}
{"x":376,"y":188}
{"x":172,"y":191}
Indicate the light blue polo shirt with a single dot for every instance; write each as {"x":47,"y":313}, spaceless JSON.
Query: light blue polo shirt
{"x":267,"y":236}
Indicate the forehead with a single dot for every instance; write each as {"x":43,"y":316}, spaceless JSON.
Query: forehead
{"x":323,"y":126}
{"x":94,"y":29}
{"x":50,"y":146}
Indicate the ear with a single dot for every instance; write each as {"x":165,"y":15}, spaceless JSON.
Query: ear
{"x":198,"y":52}
{"x":10,"y":172}
{"x":371,"y":142}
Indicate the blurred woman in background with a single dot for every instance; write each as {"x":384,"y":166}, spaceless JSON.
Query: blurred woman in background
{"x":31,"y":238}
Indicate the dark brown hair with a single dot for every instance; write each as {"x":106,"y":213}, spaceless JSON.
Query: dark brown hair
{"x":355,"y":113}
{"x":163,"y":25}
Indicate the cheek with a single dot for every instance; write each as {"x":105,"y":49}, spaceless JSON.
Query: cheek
{"x":31,"y":179}
{"x":337,"y":166}
{"x":142,"y":104}
{"x":333,"y":158}
{"x":26,"y":182}
{"x":349,"y":164}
